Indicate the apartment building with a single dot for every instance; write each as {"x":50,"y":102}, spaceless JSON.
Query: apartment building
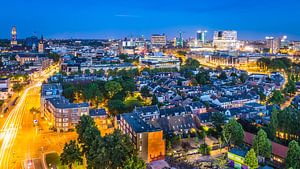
{"x":147,"y":139}
{"x":64,"y":115}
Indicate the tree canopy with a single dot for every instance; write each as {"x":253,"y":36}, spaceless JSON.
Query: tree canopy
{"x":71,"y":154}
{"x":262,"y":145}
{"x":277,"y":98}
{"x":134,"y":162}
{"x":233,"y":133}
{"x":293,"y":155}
{"x":251,"y":159}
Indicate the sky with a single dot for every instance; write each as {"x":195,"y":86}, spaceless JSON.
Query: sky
{"x":96,"y":19}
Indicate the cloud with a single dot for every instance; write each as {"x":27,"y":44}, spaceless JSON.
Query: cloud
{"x":126,"y":16}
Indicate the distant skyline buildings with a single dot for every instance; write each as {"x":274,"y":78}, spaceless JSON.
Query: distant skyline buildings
{"x":203,"y":34}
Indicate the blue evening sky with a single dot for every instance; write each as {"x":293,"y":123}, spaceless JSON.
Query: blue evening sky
{"x":253,"y":19}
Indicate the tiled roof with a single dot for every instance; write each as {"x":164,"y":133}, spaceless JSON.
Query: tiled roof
{"x":277,"y":149}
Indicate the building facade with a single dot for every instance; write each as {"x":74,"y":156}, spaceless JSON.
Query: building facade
{"x":49,"y":91}
{"x":62,"y":114}
{"x":225,"y":40}
{"x":158,"y":40}
{"x":147,"y":140}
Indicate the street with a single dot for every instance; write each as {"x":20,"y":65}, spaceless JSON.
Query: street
{"x":21,"y":140}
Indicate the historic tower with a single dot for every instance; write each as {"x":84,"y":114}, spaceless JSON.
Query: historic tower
{"x":41,"y":45}
{"x":13,"y":36}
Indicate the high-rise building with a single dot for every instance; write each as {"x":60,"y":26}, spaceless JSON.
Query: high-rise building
{"x":225,"y":40}
{"x":14,"y":36}
{"x":201,"y":37}
{"x":273,"y":44}
{"x":159,"y":40}
{"x":41,"y":45}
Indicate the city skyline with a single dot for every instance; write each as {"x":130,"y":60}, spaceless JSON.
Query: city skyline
{"x":95,"y":20}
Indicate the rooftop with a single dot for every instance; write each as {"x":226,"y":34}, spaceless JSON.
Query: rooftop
{"x":238,"y":152}
{"x":137,"y":124}
{"x":63,"y":103}
{"x":51,"y":89}
{"x":97,"y":112}
{"x":277,"y":149}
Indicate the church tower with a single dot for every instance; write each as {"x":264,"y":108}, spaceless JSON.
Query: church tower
{"x":41,"y":45}
{"x":13,"y":41}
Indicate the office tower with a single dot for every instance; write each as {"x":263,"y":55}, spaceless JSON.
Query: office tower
{"x":201,"y":37}
{"x":225,"y":40}
{"x":273,"y":44}
{"x":159,"y":40}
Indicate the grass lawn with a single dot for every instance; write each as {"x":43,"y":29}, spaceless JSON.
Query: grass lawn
{"x":52,"y":160}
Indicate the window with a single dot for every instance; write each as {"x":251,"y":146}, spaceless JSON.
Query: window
{"x":140,"y":148}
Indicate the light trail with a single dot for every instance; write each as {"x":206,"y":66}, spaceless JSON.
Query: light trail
{"x":10,"y":129}
{"x":13,"y":123}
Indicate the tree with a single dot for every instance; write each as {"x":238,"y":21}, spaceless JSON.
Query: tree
{"x":290,"y":87}
{"x":87,"y":132}
{"x":112,"y":88}
{"x":233,"y":133}
{"x":221,"y":162}
{"x":154,"y":100}
{"x":192,"y":64}
{"x":71,"y":154}
{"x":128,"y":85}
{"x":243,"y":77}
{"x":111,"y":151}
{"x":181,"y":53}
{"x":251,"y":159}
{"x":131,"y":103}
{"x":69,"y":91}
{"x":262,"y":145}
{"x":277,"y":98}
{"x":54,"y":56}
{"x":17,"y":87}
{"x":262,"y":96}
{"x":134,"y":162}
{"x":218,"y":120}
{"x":123,"y":56}
{"x":145,"y":91}
{"x":204,"y":149}
{"x":202,"y":78}
{"x":273,"y":125}
{"x":87,"y":71}
{"x":223,"y":76}
{"x":116,"y":107}
{"x":293,"y":155}
{"x":264,"y":63}
{"x":93,"y":94}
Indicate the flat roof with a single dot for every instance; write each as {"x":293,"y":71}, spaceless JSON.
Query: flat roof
{"x":64,"y":103}
{"x":138,"y":124}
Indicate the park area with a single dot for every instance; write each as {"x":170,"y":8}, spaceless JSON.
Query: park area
{"x":53,"y":162}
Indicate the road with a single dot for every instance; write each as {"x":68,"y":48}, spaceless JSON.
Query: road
{"x":20,"y":139}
